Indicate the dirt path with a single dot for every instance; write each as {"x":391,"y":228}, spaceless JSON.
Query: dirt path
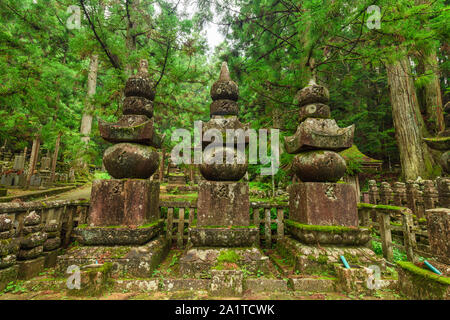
{"x":82,"y":193}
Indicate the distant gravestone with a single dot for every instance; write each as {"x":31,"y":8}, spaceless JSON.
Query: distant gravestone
{"x":45,"y":163}
{"x":19,"y":163}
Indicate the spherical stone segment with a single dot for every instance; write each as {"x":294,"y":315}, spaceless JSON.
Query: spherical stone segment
{"x":225,"y":90}
{"x":131,"y":160}
{"x":224,"y":107}
{"x":313,"y":93}
{"x":224,"y":171}
{"x":138,"y":105}
{"x":139,"y":86}
{"x":319,"y":166}
{"x":314,"y":110}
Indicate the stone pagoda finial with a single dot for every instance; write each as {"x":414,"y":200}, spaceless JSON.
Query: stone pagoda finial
{"x":133,"y":155}
{"x":224,"y":93}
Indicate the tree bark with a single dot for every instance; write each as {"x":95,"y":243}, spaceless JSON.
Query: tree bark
{"x":55,"y":157}
{"x":86,"y":121}
{"x":414,"y":155}
{"x":432,"y":98}
{"x":33,"y":159}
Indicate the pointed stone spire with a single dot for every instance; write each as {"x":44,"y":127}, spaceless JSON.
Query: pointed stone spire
{"x":224,"y":88}
{"x":143,"y":67}
{"x":224,"y":72}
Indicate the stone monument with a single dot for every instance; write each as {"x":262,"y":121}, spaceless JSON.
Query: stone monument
{"x":223,"y":208}
{"x":124,"y":211}
{"x":323,"y":217}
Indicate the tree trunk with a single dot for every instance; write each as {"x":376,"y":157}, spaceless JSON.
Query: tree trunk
{"x":431,"y":92}
{"x":432,"y":98}
{"x":55,"y":157}
{"x":33,"y":159}
{"x":86,"y":121}
{"x":414,"y":156}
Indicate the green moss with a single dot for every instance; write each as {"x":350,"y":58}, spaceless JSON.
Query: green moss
{"x":228,"y":256}
{"x":351,"y":258}
{"x":151,"y":224}
{"x":330,"y":229}
{"x":380,"y":206}
{"x":323,"y":259}
{"x":411,"y":267}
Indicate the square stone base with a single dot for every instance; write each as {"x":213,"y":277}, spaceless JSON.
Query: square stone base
{"x":30,"y":268}
{"x":199,"y":262}
{"x":138,"y":261}
{"x":226,"y":283}
{"x":317,"y":203}
{"x":222,"y":203}
{"x":128,"y":202}
{"x":7,"y":275}
{"x":223,"y":237}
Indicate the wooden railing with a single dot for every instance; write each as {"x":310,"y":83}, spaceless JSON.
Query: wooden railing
{"x":386,"y":219}
{"x":179,"y":217}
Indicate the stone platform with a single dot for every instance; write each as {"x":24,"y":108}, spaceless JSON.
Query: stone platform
{"x":224,"y":236}
{"x":328,"y":235}
{"x":311,"y":258}
{"x":200,"y":261}
{"x":117,"y":235}
{"x":138,"y":261}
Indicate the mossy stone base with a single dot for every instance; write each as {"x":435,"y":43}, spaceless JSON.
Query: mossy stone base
{"x":94,"y":280}
{"x":226,"y":283}
{"x":223,"y":237}
{"x":138,"y":261}
{"x":7,"y":275}
{"x":312,"y":259}
{"x":30,"y":268}
{"x":199,"y":262}
{"x":312,"y":285}
{"x":420,"y":284}
{"x":332,"y":235}
{"x":108,"y":236}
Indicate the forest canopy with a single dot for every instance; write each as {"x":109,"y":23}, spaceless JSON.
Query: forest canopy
{"x":382,"y":61}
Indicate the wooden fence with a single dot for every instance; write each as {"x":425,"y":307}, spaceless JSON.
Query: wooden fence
{"x":179,"y":216}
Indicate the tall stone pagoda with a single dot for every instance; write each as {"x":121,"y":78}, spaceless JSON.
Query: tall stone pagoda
{"x":223,"y":201}
{"x":124,"y":211}
{"x":223,"y":209}
{"x":318,"y":200}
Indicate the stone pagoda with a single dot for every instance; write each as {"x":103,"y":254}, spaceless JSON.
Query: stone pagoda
{"x":124,"y":211}
{"x":318,"y":199}
{"x":223,"y":208}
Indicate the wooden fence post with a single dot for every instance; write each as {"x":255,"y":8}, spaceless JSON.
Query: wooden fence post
{"x":409,"y":236}
{"x":268,"y":229}
{"x":280,"y":224}
{"x":256,"y":222}
{"x":169,"y":225}
{"x":180,"y":228}
{"x":385,"y":235}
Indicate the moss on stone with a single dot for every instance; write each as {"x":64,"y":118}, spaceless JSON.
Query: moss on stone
{"x":362,"y":205}
{"x":423,"y":273}
{"x":229,"y":255}
{"x":330,"y":229}
{"x":149,"y":225}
